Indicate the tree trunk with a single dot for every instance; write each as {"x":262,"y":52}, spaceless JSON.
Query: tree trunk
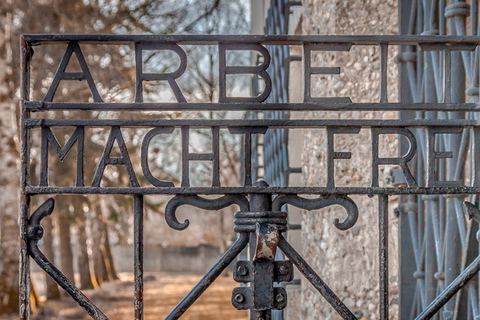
{"x":9,"y":180}
{"x":86,"y":279}
{"x":9,"y":291}
{"x":53,"y":291}
{"x":104,"y":265}
{"x":108,"y":255}
{"x":35,"y":302}
{"x":99,"y":266}
{"x":66,"y":254}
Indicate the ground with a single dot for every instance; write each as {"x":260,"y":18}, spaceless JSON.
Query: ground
{"x":162,"y":293}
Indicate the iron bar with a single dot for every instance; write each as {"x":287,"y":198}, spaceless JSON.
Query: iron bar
{"x":138,"y":255}
{"x":259,"y":202}
{"x":383,"y":255}
{"x":35,"y":190}
{"x":24,"y":275}
{"x":24,"y":272}
{"x":241,"y":124}
{"x":115,"y":39}
{"x":315,"y":280}
{"x":276,"y":160}
{"x":39,"y":106}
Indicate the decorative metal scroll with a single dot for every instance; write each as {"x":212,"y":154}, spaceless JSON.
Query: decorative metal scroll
{"x":259,"y":221}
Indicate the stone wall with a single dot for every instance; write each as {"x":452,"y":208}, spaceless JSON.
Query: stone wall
{"x":348,"y":260}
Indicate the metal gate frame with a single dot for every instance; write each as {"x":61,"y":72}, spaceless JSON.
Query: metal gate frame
{"x":260,"y":221}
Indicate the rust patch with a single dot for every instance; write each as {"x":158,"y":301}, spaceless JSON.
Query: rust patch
{"x":267,"y":241}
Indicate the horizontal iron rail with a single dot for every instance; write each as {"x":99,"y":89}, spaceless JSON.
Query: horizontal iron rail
{"x":33,"y":190}
{"x":251,"y":123}
{"x":37,"y":106}
{"x":115,"y":39}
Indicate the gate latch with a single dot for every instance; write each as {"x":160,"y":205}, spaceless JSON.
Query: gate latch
{"x":263,"y":271}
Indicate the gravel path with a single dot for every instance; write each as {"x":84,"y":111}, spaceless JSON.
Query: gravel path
{"x":162,"y":293}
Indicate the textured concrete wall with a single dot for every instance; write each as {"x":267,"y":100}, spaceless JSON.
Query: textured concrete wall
{"x":348,"y":260}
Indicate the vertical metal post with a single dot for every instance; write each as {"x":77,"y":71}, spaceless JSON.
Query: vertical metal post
{"x":383,"y":254}
{"x":453,"y":247}
{"x":24,"y":260}
{"x":430,"y":253}
{"x":24,"y":278}
{"x":406,"y":280}
{"x":138,"y":254}
{"x":259,"y":202}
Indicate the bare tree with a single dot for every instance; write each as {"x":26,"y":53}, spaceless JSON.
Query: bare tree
{"x":91,"y":16}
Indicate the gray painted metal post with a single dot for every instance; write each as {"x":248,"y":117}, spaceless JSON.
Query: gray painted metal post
{"x":453,"y":249}
{"x":406,"y":280}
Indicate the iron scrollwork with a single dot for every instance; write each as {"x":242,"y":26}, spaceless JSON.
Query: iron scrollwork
{"x":199,"y":202}
{"x":319,"y":203}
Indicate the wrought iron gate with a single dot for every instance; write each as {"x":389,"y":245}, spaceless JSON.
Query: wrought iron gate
{"x":434,"y":230}
{"x":260,"y":221}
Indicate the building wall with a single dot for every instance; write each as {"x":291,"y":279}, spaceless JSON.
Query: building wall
{"x":348,"y":260}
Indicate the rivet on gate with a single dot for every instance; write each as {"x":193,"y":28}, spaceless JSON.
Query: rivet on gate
{"x":280,"y":297}
{"x":242,"y":271}
{"x":283,"y":270}
{"x":239,"y":298}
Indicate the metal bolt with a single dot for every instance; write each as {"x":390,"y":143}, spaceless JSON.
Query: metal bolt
{"x":284,"y":270}
{"x":280,"y":297}
{"x":439,"y":275}
{"x":242,"y":271}
{"x":239,"y":298}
